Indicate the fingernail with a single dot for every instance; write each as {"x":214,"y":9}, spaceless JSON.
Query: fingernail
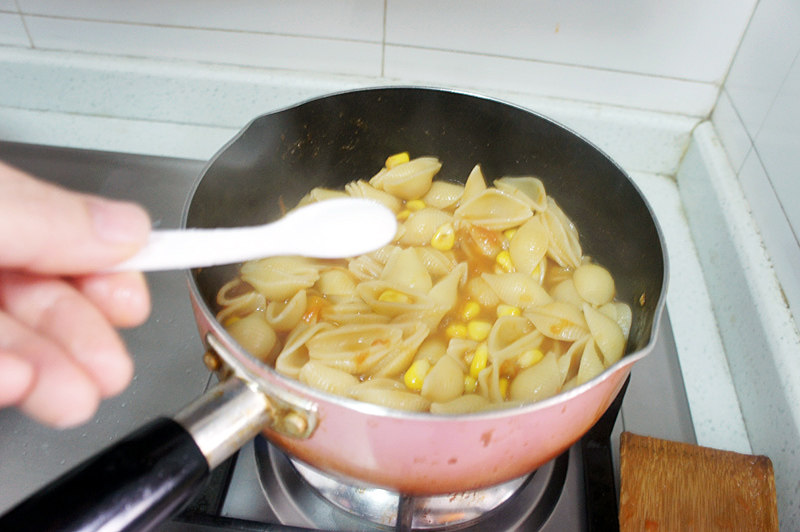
{"x":119,"y":222}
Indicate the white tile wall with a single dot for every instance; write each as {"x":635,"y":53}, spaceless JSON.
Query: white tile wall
{"x":778,"y":140}
{"x":767,"y":52}
{"x":758,"y":119}
{"x":8,"y":5}
{"x":12,"y":31}
{"x":731,"y":131}
{"x":210,"y":46}
{"x":666,"y":57}
{"x":360,"y":20}
{"x":680,"y":39}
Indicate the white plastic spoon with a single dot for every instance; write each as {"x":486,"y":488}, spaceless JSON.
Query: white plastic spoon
{"x":327,"y":229}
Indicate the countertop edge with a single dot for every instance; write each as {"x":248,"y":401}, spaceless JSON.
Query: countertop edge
{"x":762,"y":345}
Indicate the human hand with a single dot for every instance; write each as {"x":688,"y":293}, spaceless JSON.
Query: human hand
{"x":59,"y":351}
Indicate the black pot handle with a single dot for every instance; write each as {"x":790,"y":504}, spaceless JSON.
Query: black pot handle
{"x":152,"y":473}
{"x":132,"y":485}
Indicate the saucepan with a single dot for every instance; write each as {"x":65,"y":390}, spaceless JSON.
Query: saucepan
{"x":328,"y":142}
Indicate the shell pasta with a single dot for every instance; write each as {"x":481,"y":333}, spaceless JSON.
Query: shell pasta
{"x":484,"y":299}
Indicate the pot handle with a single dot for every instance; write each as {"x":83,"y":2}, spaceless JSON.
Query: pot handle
{"x":153,"y":472}
{"x":132,"y":485}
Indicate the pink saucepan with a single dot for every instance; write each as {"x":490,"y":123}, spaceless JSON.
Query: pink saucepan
{"x":330,"y":141}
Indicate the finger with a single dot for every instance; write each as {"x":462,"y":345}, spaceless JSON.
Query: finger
{"x":122,"y":297}
{"x":60,"y":393}
{"x":48,"y":229}
{"x":16,"y":378}
{"x":56,"y":310}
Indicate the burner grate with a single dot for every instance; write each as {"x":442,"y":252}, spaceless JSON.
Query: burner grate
{"x":300,"y":495}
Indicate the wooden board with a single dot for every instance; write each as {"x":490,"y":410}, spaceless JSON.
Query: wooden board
{"x":672,"y":486}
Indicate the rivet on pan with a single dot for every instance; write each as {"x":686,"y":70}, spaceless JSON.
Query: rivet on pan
{"x":295,"y":424}
{"x":212,"y":361}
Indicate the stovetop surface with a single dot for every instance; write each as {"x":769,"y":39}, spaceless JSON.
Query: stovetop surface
{"x":168,"y":354}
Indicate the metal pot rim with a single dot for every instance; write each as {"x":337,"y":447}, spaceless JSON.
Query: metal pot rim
{"x":267,"y":377}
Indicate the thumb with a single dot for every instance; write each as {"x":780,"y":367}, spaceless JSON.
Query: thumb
{"x":51,"y":230}
{"x":16,"y":377}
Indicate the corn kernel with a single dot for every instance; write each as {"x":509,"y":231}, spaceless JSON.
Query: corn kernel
{"x":415,"y":205}
{"x":507,"y":310}
{"x":403,"y":215}
{"x":503,"y":260}
{"x":230,"y":320}
{"x":503,"y":383}
{"x":456,"y":330}
{"x":479,"y":361}
{"x":470,"y":384}
{"x":397,"y":158}
{"x":393,"y":296}
{"x":478,"y":330}
{"x":415,"y":374}
{"x":509,"y":233}
{"x":445,"y":237}
{"x":529,"y":358}
{"x":470,"y":310}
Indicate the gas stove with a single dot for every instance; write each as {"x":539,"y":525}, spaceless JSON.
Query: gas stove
{"x":264,"y":489}
{"x":260,"y":488}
